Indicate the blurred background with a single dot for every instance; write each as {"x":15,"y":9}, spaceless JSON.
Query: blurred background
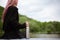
{"x":43,"y":17}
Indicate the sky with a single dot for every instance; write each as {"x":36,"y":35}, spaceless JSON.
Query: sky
{"x":40,"y":10}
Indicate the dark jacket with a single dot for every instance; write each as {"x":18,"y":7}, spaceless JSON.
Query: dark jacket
{"x":11,"y":24}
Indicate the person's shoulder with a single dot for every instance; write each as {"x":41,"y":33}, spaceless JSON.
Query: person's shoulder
{"x":12,"y":7}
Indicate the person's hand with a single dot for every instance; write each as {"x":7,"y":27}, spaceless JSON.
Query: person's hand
{"x":27,"y":24}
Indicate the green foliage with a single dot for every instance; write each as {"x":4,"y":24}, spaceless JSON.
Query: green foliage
{"x":41,"y":27}
{"x":1,"y":31}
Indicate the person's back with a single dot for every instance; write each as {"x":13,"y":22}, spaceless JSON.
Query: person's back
{"x":10,"y":18}
{"x":11,"y":23}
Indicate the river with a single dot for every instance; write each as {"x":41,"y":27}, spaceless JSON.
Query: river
{"x":35,"y":39}
{"x":40,"y":37}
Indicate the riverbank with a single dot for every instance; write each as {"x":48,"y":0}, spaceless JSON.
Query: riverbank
{"x":34,"y":35}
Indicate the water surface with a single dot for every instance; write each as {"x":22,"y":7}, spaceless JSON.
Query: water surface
{"x":35,"y":39}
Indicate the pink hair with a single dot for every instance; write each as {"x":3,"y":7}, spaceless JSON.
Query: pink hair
{"x":9,"y":3}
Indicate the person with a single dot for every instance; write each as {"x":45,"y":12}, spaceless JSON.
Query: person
{"x":10,"y":20}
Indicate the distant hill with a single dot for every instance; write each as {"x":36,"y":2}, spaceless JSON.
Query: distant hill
{"x":1,"y":10}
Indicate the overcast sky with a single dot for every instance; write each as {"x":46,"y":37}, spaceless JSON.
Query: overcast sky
{"x":41,"y":10}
